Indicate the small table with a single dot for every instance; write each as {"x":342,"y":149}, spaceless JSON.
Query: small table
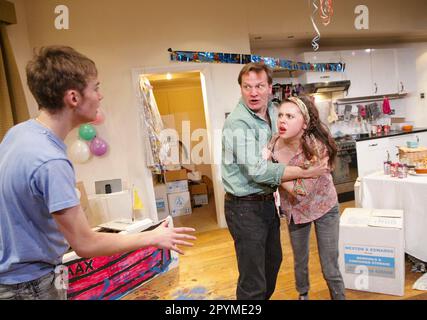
{"x":409,"y":194}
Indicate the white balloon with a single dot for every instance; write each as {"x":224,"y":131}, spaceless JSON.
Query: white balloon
{"x":79,"y":152}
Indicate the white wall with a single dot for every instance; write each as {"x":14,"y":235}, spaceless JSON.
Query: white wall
{"x":120,"y":36}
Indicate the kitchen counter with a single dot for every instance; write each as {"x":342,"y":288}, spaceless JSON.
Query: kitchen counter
{"x":392,"y":133}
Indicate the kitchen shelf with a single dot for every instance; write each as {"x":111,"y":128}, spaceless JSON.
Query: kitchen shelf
{"x":370,"y":98}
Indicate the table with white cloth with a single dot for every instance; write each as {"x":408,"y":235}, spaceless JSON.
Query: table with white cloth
{"x":409,"y":194}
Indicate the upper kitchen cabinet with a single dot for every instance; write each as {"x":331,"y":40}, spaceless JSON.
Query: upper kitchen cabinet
{"x":358,"y":71}
{"x":320,"y":57}
{"x":384,"y":73}
{"x":406,"y":70}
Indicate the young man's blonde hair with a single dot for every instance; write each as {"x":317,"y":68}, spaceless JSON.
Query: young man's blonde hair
{"x":54,"y":70}
{"x":256,"y":67}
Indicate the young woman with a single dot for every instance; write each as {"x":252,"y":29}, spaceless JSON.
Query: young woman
{"x":303,"y":140}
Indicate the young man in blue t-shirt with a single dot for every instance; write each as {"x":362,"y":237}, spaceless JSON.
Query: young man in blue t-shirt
{"x":39,"y":209}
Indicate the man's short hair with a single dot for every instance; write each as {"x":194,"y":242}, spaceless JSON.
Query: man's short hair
{"x":256,"y":67}
{"x":53,"y":71}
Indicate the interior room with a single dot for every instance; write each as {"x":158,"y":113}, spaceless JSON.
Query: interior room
{"x":168,"y":75}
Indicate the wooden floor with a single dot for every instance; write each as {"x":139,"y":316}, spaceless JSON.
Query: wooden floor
{"x":209,"y":270}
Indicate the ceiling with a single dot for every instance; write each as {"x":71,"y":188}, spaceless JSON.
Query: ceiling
{"x":303,"y":40}
{"x":178,"y":79}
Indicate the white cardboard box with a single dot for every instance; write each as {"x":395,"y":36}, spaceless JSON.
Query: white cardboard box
{"x":372,"y":258}
{"x":200,"y":199}
{"x":111,"y":206}
{"x":179,"y":203}
{"x":162,"y":205}
{"x":177,"y":186}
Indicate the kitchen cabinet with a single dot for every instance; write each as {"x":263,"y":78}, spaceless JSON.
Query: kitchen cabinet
{"x":358,"y":71}
{"x":371,"y":155}
{"x":406,"y":70}
{"x":422,"y":137}
{"x":399,"y":141}
{"x":383,"y":67}
{"x":320,"y":57}
{"x":379,"y":71}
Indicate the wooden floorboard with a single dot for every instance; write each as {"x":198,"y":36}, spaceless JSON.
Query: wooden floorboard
{"x":208,"y":270}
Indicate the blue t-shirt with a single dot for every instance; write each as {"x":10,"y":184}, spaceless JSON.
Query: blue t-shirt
{"x":36,"y":180}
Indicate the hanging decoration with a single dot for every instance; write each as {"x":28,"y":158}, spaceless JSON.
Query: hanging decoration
{"x":100,"y":117}
{"x":156,"y":149}
{"x":87,"y":132}
{"x":315,"y":41}
{"x":98,"y":147}
{"x":80,"y":151}
{"x":276,"y":64}
{"x":326,"y":12}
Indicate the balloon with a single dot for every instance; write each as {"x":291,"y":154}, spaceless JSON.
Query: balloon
{"x":87,"y":132}
{"x":79,"y":152}
{"x":100,"y":117}
{"x":98,"y":147}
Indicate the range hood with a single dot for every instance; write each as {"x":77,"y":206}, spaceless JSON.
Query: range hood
{"x":322,"y":87}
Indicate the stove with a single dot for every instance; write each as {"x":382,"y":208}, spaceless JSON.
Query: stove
{"x":345,"y":172}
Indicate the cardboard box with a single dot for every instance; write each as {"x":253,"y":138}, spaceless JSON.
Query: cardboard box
{"x":177,"y":186}
{"x":112,"y":206}
{"x":371,"y":250}
{"x":179,"y":203}
{"x":200,"y":188}
{"x":160,"y":192}
{"x":209,"y":184}
{"x":199,"y":199}
{"x":175,"y":175}
{"x":125,"y":272}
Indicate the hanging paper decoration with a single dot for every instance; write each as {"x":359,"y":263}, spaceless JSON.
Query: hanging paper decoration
{"x":276,"y":64}
{"x":314,"y":42}
{"x":326,"y":12}
{"x":151,"y":123}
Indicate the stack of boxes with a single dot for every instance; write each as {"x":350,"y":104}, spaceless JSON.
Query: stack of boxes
{"x":199,"y":194}
{"x":177,"y":192}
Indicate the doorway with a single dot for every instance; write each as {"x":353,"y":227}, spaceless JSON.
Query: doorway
{"x":179,"y":99}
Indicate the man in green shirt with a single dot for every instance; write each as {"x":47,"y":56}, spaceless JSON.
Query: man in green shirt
{"x":250,"y":181}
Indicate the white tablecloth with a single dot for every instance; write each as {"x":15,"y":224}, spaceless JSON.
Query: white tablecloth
{"x":410,"y":195}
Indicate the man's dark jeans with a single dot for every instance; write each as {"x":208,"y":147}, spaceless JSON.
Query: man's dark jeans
{"x":255,"y":228}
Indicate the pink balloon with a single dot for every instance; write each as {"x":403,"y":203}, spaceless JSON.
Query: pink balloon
{"x":100,"y":117}
{"x":98,"y":147}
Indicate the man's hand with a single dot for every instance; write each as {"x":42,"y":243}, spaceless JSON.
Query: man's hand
{"x":266,"y":154}
{"x":318,"y":169}
{"x":168,"y":238}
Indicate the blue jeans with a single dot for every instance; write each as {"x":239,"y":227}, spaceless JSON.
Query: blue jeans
{"x":327,"y":234}
{"x":255,"y":228}
{"x":42,"y":288}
